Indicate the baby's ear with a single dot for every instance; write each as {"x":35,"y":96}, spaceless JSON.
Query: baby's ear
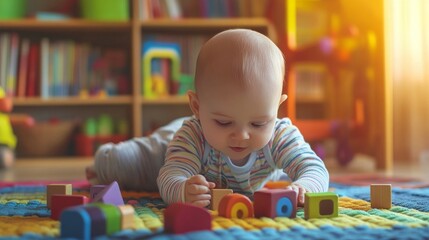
{"x":283,"y":98}
{"x":194,"y":103}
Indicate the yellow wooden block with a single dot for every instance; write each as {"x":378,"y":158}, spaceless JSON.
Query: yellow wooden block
{"x":381,"y":196}
{"x":127,"y":216}
{"x":51,"y":189}
{"x":217,"y":195}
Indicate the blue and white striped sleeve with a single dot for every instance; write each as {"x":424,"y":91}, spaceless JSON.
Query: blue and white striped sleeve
{"x":295,"y":156}
{"x":182,"y":161}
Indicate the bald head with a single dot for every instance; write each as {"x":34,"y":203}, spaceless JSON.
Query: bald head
{"x":239,"y":57}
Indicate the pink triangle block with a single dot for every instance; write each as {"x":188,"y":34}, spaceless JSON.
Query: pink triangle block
{"x":111,"y":194}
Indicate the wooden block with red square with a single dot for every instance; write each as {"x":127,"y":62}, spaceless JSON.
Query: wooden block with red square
{"x":275,"y":203}
{"x":59,"y":202}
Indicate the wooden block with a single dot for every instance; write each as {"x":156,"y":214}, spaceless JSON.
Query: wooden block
{"x":217,"y":195}
{"x":235,"y":206}
{"x":275,"y":203}
{"x":98,"y":221}
{"x":183,"y":218}
{"x":51,"y":189}
{"x":321,"y":205}
{"x":75,"y":223}
{"x":277,"y":184}
{"x":112,"y":215}
{"x":59,"y":202}
{"x":111,"y":194}
{"x":127,"y":216}
{"x":381,"y":196}
{"x":96,"y":189}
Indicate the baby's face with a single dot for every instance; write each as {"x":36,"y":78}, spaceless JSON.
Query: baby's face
{"x":238,"y":121}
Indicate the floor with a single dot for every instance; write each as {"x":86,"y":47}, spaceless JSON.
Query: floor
{"x":64,"y":169}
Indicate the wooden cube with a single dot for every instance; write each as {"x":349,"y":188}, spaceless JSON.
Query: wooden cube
{"x":321,"y":205}
{"x":275,"y":203}
{"x":51,"y":189}
{"x":127,"y":216}
{"x":217,"y":195}
{"x":381,"y":196}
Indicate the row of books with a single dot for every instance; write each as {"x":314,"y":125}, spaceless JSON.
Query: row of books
{"x":175,"y":9}
{"x":60,"y":68}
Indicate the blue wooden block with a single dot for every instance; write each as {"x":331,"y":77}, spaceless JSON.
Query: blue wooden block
{"x":75,"y":223}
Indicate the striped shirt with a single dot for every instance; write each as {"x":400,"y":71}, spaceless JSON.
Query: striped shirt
{"x":188,"y":154}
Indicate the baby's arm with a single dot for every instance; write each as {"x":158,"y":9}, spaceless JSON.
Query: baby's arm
{"x":179,"y":179}
{"x":299,"y":161}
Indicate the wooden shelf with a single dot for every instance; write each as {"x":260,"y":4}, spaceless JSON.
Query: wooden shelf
{"x":77,"y":24}
{"x":72,"y":101}
{"x":170,"y":100}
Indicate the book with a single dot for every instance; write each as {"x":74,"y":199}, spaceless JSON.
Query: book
{"x":23,"y":68}
{"x":11,"y":77}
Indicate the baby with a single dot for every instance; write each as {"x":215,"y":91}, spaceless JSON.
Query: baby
{"x":234,"y":140}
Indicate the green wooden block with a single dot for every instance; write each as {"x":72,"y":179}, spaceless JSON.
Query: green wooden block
{"x":113,"y":217}
{"x":321,"y":205}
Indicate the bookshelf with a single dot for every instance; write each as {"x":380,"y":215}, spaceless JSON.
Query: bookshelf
{"x":139,"y":111}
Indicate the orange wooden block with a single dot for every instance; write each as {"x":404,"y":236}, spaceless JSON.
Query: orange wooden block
{"x":51,"y":189}
{"x":236,"y":206}
{"x":381,"y":196}
{"x":217,"y":195}
{"x":277,"y":184}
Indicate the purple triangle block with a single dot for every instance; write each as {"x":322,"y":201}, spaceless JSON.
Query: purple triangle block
{"x":111,"y":194}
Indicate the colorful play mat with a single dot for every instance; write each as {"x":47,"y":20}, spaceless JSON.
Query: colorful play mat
{"x":23,"y":214}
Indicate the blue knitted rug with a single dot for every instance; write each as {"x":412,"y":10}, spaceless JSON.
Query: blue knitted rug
{"x":23,"y":214}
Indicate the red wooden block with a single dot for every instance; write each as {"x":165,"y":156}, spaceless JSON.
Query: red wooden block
{"x":183,"y":217}
{"x":235,"y":205}
{"x":275,"y":203}
{"x":59,"y":202}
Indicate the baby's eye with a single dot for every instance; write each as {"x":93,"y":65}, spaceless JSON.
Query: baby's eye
{"x":259,"y":124}
{"x":222,"y":123}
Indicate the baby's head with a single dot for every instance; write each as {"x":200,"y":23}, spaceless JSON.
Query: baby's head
{"x":238,"y":82}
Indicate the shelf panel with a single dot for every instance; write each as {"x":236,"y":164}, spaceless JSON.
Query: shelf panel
{"x":72,"y":101}
{"x":64,"y":25}
{"x":170,"y":100}
{"x":204,"y":24}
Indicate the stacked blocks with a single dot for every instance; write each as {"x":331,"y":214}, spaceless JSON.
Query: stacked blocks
{"x":381,"y":196}
{"x":217,"y":195}
{"x":92,"y":220}
{"x":52,"y":189}
{"x":236,"y":205}
{"x":321,"y":205}
{"x":275,"y":203}
{"x":183,"y":217}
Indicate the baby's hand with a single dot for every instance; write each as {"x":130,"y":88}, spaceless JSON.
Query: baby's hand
{"x":197,"y":191}
{"x":300,"y":192}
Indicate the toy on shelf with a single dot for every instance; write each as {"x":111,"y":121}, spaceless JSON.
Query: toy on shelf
{"x":7,"y":138}
{"x":96,"y":132}
{"x":161,"y":70}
